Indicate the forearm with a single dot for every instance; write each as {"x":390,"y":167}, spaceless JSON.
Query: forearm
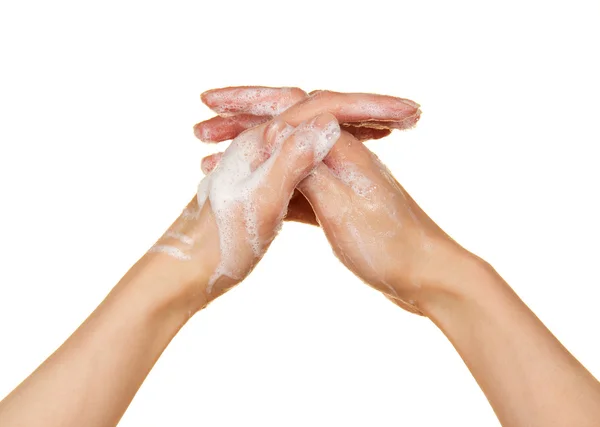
{"x":91,"y":379}
{"x":529,"y":378}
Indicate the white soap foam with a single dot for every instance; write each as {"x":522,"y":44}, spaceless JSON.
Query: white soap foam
{"x":186,"y":240}
{"x":170,"y":250}
{"x":190,"y":214}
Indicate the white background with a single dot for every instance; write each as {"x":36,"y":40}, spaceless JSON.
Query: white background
{"x":97,"y":103}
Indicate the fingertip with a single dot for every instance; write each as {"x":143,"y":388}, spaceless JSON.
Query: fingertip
{"x":205,"y":166}
{"x":314,"y":138}
{"x":324,"y":119}
{"x":202,"y":132}
{"x":203,"y":97}
{"x":330,"y":132}
{"x":255,"y":100}
{"x":297,"y":94}
{"x":208,"y":163}
{"x":410,"y":103}
{"x":219,"y":128}
{"x":210,"y":131}
{"x":206,"y":96}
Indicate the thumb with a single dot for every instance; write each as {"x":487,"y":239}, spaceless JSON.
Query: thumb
{"x":328,"y":188}
{"x":297,"y":151}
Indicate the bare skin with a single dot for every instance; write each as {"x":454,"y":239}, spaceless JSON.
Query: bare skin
{"x":375,"y":228}
{"x":92,"y":378}
{"x":380,"y":233}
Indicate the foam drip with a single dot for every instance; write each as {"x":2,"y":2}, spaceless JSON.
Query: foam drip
{"x":170,"y":250}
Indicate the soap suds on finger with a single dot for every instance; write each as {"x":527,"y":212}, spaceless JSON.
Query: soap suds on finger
{"x":258,"y":101}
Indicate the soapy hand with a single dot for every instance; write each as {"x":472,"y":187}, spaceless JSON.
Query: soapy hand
{"x":239,"y":207}
{"x":365,"y":116}
{"x":374,"y":227}
{"x":244,"y":107}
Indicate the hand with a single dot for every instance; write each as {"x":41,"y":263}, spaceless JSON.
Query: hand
{"x":373,"y":225}
{"x":242,"y":108}
{"x":239,"y":207}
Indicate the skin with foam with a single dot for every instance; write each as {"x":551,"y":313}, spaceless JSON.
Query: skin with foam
{"x":238,"y":193}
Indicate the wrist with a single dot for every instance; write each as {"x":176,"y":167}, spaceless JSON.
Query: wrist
{"x":176,"y":271}
{"x":466,"y":279}
{"x":160,"y":285}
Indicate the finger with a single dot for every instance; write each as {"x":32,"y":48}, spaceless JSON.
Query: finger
{"x":323,"y":186}
{"x":365,"y":133}
{"x":349,"y":154}
{"x":296,"y":152}
{"x":254,"y":100}
{"x":210,"y":162}
{"x":220,"y":129}
{"x":325,"y":193}
{"x":348,"y":150}
{"x":348,"y":162}
{"x":379,"y":110}
{"x":348,"y":170}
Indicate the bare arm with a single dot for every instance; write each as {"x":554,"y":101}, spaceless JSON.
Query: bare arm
{"x":527,"y":375}
{"x":219,"y":238}
{"x":91,"y":379}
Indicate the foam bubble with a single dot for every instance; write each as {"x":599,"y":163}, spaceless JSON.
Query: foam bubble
{"x":170,"y":250}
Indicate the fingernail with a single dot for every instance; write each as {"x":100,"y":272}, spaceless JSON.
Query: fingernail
{"x":410,"y":103}
{"x":275,"y":133}
{"x":329,"y":132}
{"x":272,"y":130}
{"x":317,"y":135}
{"x":328,"y":124}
